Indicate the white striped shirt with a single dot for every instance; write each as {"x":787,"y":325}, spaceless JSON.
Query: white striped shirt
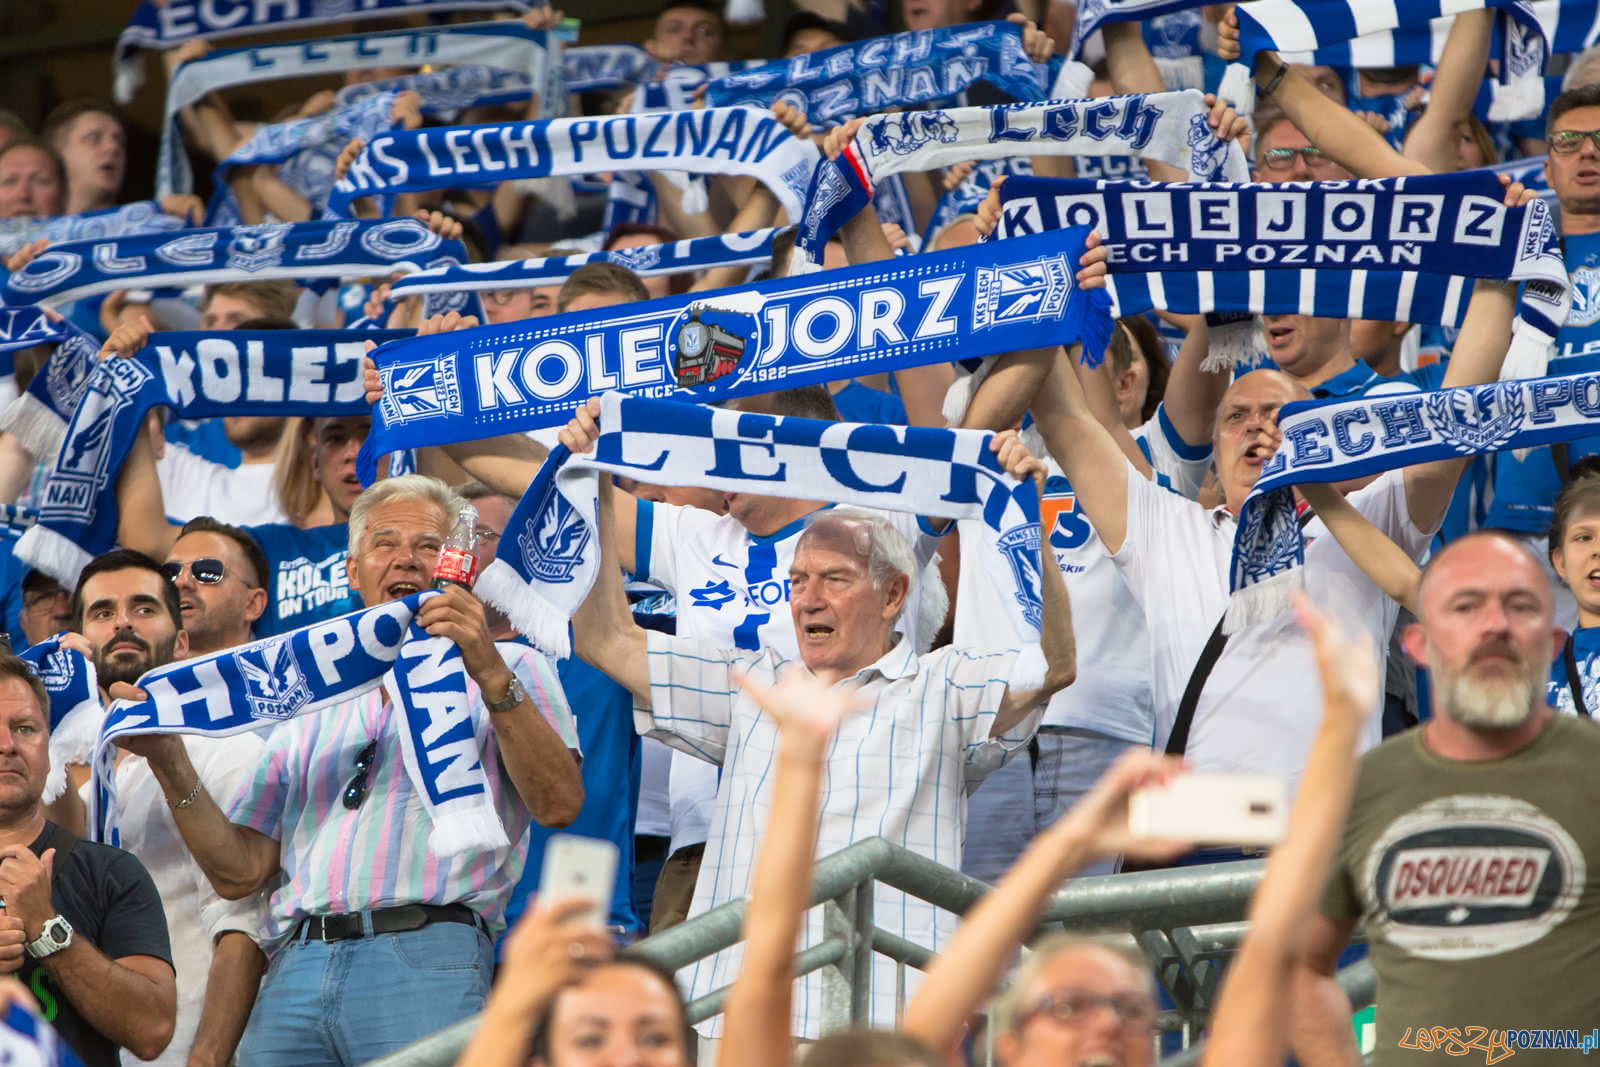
{"x":899,"y":771}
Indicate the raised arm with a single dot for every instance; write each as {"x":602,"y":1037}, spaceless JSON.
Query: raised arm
{"x":604,"y":634}
{"x":1193,"y":394}
{"x":967,"y":972}
{"x":756,"y":1022}
{"x":1251,"y":1026}
{"x":1088,"y":454}
{"x":1055,"y":630}
{"x":1432,"y":139}
{"x":1476,"y":359}
{"x":1385,"y":562}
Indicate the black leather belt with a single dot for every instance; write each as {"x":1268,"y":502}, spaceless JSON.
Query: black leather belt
{"x":384,"y":921}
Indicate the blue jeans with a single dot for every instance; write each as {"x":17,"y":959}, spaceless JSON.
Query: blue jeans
{"x":342,"y":1003}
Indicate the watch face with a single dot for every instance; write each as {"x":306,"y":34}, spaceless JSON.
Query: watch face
{"x":693,"y":338}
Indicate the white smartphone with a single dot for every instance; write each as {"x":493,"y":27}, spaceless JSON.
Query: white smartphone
{"x":580,"y":867}
{"x":1213,"y":809}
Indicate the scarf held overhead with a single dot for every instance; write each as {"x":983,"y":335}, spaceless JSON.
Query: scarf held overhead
{"x":501,"y":45}
{"x":1334,"y":441}
{"x":1390,"y":250}
{"x":1170,"y":127}
{"x":164,"y":24}
{"x":297,"y":250}
{"x":198,"y":376}
{"x":143,"y":216}
{"x":901,"y":70}
{"x":735,"y":140}
{"x":646,"y":261}
{"x":905,"y":312}
{"x":937,"y":473}
{"x":38,"y":418}
{"x":253,"y":686}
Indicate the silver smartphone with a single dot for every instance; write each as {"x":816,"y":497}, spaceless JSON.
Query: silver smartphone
{"x":1213,"y":809}
{"x":583,"y":867}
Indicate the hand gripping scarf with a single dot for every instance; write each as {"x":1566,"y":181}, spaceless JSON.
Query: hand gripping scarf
{"x":905,"y":312}
{"x":541,"y":578}
{"x":197,"y":375}
{"x":711,"y":141}
{"x":1170,"y":127}
{"x":1389,"y":250}
{"x":253,"y":686}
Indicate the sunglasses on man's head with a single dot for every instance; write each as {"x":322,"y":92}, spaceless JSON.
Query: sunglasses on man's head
{"x":205,"y":571}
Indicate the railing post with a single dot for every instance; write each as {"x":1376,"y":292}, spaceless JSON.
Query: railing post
{"x":861,"y":954}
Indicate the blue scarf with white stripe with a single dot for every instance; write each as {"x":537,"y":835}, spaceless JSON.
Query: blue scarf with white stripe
{"x":253,"y":686}
{"x":539,"y":579}
{"x":142,"y":216}
{"x":646,"y":261}
{"x":302,"y":251}
{"x":902,"y":70}
{"x":38,"y":418}
{"x":716,"y":345}
{"x":1338,"y":32}
{"x":1390,"y":250}
{"x":75,"y":713}
{"x":198,"y":376}
{"x":735,"y":140}
{"x":164,"y":24}
{"x":445,"y":93}
{"x":1171,"y":127}
{"x":31,"y":1041}
{"x":1338,"y":440}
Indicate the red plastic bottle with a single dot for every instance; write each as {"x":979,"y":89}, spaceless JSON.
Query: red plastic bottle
{"x":458,"y":556}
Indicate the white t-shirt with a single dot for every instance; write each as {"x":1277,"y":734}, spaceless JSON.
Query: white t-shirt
{"x":1261,"y":706}
{"x":731,"y":588}
{"x":196,"y":916}
{"x":1111,"y":695}
{"x":192,"y":486}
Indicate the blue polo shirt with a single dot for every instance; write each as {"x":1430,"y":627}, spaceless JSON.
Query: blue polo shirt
{"x":603,"y":711}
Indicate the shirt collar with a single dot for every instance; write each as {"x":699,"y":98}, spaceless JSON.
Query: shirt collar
{"x":899,"y":662}
{"x":1346,"y":383}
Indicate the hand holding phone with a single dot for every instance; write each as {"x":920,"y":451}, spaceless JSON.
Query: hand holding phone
{"x":584,"y":867}
{"x":1215,"y":809}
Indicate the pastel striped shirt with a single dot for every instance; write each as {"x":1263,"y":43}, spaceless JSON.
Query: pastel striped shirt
{"x":900,"y":770}
{"x":335,"y":860}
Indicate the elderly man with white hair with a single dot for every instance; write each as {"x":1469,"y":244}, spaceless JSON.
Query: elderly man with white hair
{"x":931,"y":724}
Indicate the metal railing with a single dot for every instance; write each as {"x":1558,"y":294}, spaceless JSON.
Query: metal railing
{"x":1187,"y":920}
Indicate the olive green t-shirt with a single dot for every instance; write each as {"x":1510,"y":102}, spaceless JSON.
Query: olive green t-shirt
{"x":1478,"y":883}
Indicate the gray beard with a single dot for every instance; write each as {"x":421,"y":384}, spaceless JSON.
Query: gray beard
{"x":1503,"y":704}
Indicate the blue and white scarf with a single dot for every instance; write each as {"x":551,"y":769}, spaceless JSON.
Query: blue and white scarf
{"x":298,"y":250}
{"x":75,"y":713}
{"x":950,"y":474}
{"x":734,"y":140}
{"x":1359,"y":33}
{"x":29,"y":1041}
{"x":142,"y":216}
{"x":1171,"y":127}
{"x":444,"y":94}
{"x":38,"y":418}
{"x":604,"y":67}
{"x":673,"y":89}
{"x":1391,"y":250}
{"x":884,"y":316}
{"x":647,"y":261}
{"x":1335,"y":441}
{"x":902,"y":70}
{"x":304,"y":151}
{"x":198,"y":376}
{"x":254,"y":686}
{"x":164,"y":24}
{"x":502,"y":45}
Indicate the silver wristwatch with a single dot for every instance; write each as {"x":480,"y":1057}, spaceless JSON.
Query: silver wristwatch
{"x":56,"y":935}
{"x":515,"y":695}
